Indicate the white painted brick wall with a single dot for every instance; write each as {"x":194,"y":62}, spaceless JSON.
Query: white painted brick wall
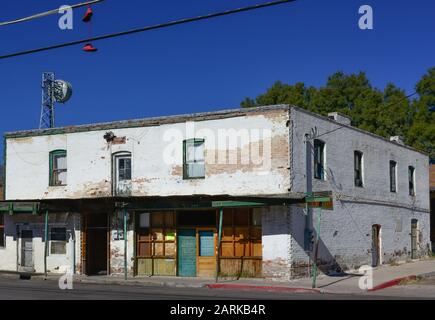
{"x":346,"y":231}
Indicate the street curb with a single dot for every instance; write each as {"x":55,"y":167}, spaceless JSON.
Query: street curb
{"x":392,"y":283}
{"x":264,"y":288}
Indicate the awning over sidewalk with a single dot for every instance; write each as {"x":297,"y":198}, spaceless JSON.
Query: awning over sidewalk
{"x":107,"y":204}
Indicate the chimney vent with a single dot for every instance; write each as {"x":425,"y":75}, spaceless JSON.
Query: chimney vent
{"x":340,"y":118}
{"x":397,"y":139}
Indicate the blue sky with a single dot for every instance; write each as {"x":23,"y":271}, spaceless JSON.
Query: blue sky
{"x":207,"y":65}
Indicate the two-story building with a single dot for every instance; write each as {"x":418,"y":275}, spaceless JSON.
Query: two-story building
{"x":224,"y":191}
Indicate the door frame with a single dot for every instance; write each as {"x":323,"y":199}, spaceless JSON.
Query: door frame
{"x":85,"y":243}
{"x":21,"y":249}
{"x":376,"y":246}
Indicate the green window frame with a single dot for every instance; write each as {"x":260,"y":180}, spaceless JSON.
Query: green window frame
{"x":193,"y":168}
{"x":55,"y":171}
{"x":319,"y":159}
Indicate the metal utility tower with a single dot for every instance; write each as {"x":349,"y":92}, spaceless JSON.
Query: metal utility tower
{"x":47,"y":107}
{"x":52,"y":91}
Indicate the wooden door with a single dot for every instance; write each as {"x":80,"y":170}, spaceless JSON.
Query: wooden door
{"x":414,"y":239}
{"x":186,"y":249}
{"x":206,"y":253}
{"x":376,"y":245}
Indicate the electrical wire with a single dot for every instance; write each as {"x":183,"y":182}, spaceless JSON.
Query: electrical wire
{"x":148,"y":28}
{"x":47,"y":13}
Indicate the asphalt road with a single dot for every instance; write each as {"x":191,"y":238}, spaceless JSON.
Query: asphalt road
{"x":36,"y":289}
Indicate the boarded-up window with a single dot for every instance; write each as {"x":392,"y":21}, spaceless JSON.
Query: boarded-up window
{"x":2,"y":230}
{"x":158,"y":239}
{"x":241,"y":233}
{"x":58,"y":241}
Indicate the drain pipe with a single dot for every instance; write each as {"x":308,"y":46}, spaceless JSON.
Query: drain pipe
{"x":46,"y":243}
{"x":221,"y":211}
{"x":125,"y":244}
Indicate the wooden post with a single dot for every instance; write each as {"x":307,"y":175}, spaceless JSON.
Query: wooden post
{"x":221,"y":212}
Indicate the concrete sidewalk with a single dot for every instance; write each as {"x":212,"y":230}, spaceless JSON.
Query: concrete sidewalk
{"x":340,"y":284}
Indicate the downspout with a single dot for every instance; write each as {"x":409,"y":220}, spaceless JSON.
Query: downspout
{"x":221,"y":211}
{"x":125,"y":244}
{"x":46,"y":243}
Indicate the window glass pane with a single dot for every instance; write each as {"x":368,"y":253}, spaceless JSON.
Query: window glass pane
{"x":170,"y":249}
{"x":124,"y":169}
{"x":190,"y":151}
{"x":206,"y":243}
{"x":61,"y":178}
{"x":256,"y":217}
{"x":199,"y":151}
{"x":195,"y":170}
{"x":58,"y":234}
{"x":58,"y":247}
{"x":60,"y":162}
{"x":144,"y":220}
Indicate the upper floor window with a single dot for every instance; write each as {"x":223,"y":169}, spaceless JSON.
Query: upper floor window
{"x":319,"y":159}
{"x":193,"y":159}
{"x":411,"y":180}
{"x":393,"y":165}
{"x":58,"y":168}
{"x":122,"y":166}
{"x":358,"y":168}
{"x":2,"y":230}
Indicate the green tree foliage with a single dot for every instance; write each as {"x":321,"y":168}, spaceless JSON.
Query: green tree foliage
{"x":386,"y":112}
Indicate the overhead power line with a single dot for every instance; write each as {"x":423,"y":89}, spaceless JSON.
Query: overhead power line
{"x":47,"y":13}
{"x":148,"y":28}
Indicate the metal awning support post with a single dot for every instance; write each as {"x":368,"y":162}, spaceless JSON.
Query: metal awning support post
{"x":46,"y":242}
{"x":221,"y":213}
{"x":316,"y":248}
{"x":125,"y":243}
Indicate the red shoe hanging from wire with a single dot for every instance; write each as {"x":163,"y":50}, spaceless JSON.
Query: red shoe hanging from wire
{"x":88,"y":15}
{"x":89,"y":48}
{"x":87,"y":18}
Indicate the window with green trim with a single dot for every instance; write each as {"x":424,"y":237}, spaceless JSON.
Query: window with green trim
{"x":193,"y":159}
{"x":58,"y":168}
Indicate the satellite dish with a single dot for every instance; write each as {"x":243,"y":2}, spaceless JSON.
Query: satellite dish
{"x":62,"y":91}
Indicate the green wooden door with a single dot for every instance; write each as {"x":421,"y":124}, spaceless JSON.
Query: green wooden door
{"x":187,"y":253}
